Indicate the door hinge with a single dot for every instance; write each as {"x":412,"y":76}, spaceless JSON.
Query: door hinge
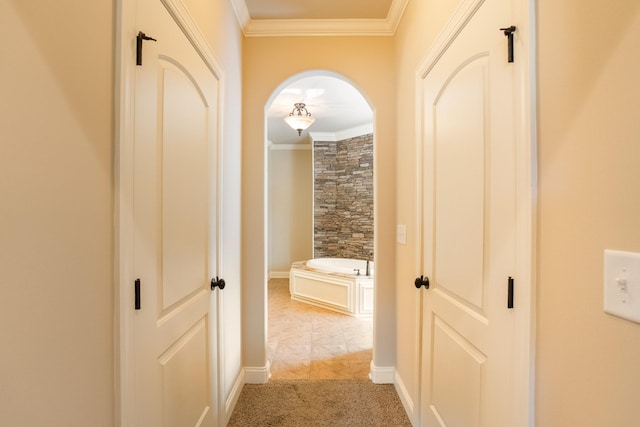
{"x":510,"y":292}
{"x":139,"y":38}
{"x":509,"y":33}
{"x":137,"y":294}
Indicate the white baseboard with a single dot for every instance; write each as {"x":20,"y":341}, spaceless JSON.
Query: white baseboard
{"x":257,"y":375}
{"x":230,"y":404}
{"x":382,"y":375}
{"x":405,"y":398}
{"x":278,"y":275}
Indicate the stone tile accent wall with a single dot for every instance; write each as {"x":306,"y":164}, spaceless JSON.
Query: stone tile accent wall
{"x":343,"y":198}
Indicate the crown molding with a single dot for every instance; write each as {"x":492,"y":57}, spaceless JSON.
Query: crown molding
{"x":323,"y":136}
{"x":290,"y":147}
{"x":396,"y":10}
{"x":242,"y":13}
{"x":353,"y":132}
{"x":343,"y":134}
{"x":319,"y":27}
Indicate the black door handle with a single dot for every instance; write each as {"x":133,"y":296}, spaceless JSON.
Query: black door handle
{"x":217,"y":282}
{"x":422,"y":281}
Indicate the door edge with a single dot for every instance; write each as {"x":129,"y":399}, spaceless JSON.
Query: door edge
{"x":124,"y":85}
{"x":526,"y":176}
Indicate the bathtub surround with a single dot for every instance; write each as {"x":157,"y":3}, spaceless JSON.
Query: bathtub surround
{"x":328,"y":287}
{"x":343,"y":198}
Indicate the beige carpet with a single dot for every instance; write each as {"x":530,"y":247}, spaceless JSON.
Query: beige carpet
{"x":302,"y":403}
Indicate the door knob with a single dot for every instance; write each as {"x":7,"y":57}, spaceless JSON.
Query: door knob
{"x":217,"y":282}
{"x":422,"y":281}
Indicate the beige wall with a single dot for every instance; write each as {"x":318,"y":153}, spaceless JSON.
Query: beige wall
{"x":56,"y":169}
{"x":589,"y":199}
{"x":56,"y":208}
{"x":267,"y":63}
{"x":587,"y":370}
{"x":56,"y":213}
{"x":419,"y":28}
{"x":290,"y":208}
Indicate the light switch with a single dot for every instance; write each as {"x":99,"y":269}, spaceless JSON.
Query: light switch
{"x":622,"y":284}
{"x":401,"y":234}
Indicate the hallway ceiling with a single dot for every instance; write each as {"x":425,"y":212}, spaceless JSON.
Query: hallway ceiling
{"x":318,"y":17}
{"x":318,"y":9}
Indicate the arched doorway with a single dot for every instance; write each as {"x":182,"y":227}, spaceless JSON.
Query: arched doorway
{"x":320,"y":204}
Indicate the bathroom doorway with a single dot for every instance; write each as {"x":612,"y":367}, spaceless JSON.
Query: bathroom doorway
{"x":320,"y":204}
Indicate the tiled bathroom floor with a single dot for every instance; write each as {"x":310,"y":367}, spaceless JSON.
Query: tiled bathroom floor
{"x":308,"y":342}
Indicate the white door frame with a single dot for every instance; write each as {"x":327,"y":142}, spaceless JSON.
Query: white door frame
{"x":125,"y":68}
{"x":526,"y":184}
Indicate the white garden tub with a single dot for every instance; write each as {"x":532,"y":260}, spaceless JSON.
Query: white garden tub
{"x":337,"y":284}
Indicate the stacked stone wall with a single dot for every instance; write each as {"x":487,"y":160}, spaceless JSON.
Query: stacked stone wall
{"x":343,"y":198}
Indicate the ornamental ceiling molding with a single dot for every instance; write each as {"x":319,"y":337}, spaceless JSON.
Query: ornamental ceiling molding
{"x":319,"y":27}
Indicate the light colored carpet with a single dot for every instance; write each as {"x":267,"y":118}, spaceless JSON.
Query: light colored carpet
{"x":302,"y":403}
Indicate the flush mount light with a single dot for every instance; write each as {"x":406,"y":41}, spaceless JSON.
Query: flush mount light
{"x":299,"y":119}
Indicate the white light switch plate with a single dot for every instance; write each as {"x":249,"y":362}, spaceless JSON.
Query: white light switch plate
{"x":622,"y":284}
{"x":401,"y":234}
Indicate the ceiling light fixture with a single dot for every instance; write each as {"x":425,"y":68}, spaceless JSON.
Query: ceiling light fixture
{"x":299,"y":119}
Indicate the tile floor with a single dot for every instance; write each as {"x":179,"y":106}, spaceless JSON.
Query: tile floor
{"x":308,"y":342}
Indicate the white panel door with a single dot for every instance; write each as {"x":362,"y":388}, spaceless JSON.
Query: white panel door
{"x":469,"y":227}
{"x":175,"y":236}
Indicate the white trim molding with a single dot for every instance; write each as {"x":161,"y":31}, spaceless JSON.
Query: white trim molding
{"x":289,"y":147}
{"x":278,"y":275}
{"x":405,"y":398}
{"x":527,"y":183}
{"x":188,"y":25}
{"x":234,"y":395}
{"x":241,"y":11}
{"x":257,"y":374}
{"x":382,"y":375}
{"x":319,"y":27}
{"x":353,"y":132}
{"x":460,"y":17}
{"x":124,"y":385}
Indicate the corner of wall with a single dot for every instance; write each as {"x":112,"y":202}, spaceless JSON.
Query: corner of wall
{"x":382,"y":374}
{"x":257,"y":374}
